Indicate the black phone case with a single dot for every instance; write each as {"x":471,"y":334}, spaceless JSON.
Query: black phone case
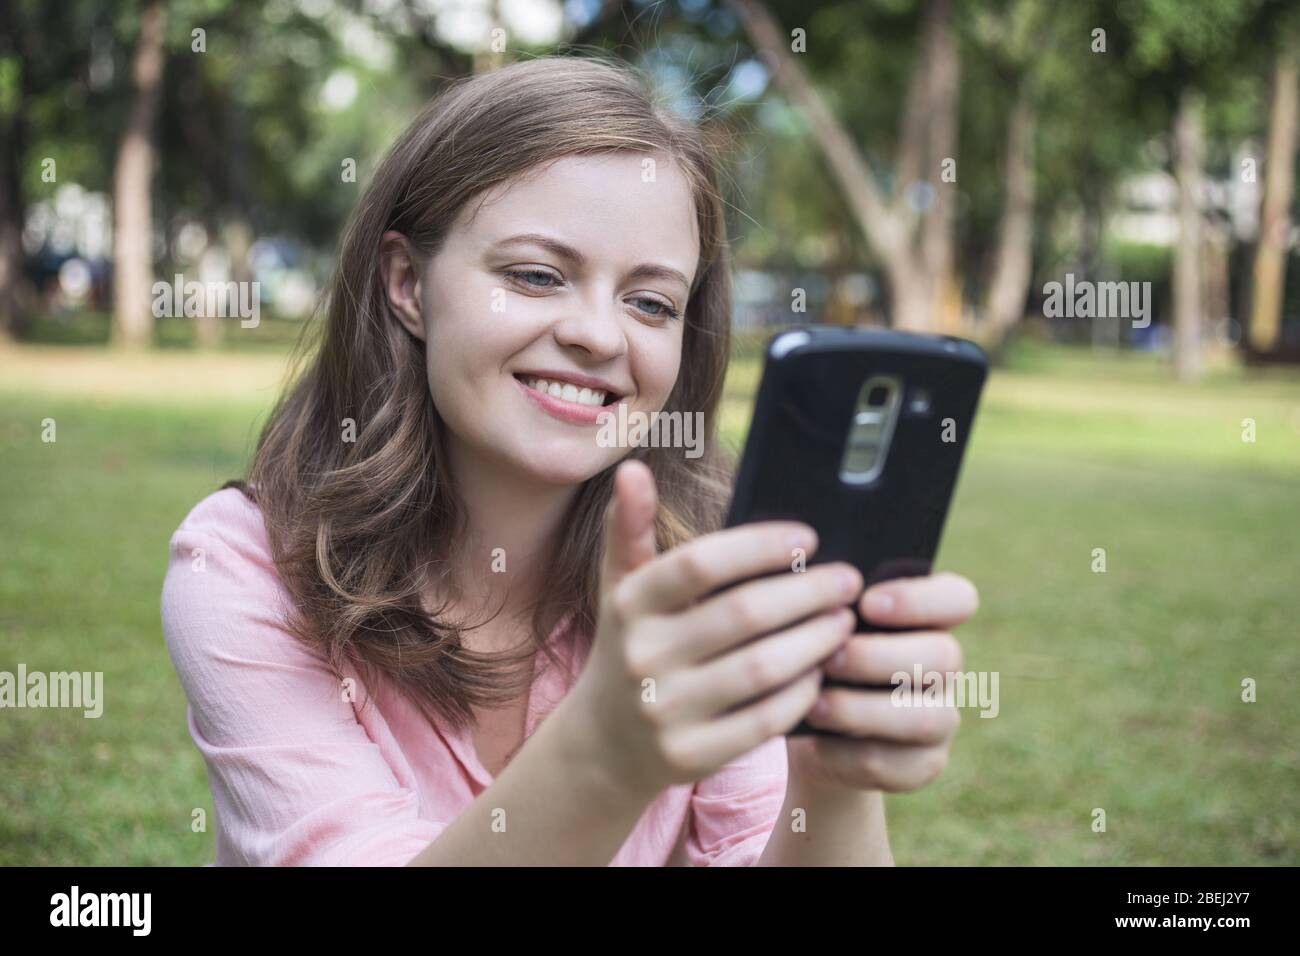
{"x":790,"y":468}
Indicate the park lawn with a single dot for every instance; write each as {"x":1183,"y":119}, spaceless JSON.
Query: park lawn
{"x":1119,"y":691}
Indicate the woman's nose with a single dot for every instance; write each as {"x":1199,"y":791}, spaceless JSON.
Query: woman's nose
{"x":593,"y":325}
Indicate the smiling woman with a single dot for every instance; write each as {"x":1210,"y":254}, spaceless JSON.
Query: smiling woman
{"x":577,"y":299}
{"x":443,"y":622}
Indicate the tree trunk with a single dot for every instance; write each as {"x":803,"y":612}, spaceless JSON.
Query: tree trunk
{"x":132,"y":215}
{"x":1216,"y":245}
{"x":14,"y":316}
{"x":1275,"y":212}
{"x":235,"y":236}
{"x":941,"y":66}
{"x":1187,"y":253}
{"x":12,"y":281}
{"x":487,"y":59}
{"x":1013,"y":259}
{"x":910,"y":297}
{"x":887,"y":226}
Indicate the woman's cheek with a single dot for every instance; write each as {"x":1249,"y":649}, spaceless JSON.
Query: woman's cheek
{"x":659,"y":363}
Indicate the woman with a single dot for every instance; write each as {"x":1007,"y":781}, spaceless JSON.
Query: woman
{"x":443,"y":624}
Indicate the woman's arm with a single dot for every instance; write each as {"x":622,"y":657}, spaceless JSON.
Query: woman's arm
{"x":298,"y":781}
{"x":553,"y":805}
{"x":829,"y":828}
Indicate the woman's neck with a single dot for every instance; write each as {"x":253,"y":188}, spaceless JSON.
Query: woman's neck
{"x":511,"y":525}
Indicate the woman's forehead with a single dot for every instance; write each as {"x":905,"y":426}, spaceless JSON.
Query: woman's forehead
{"x":641,"y":201}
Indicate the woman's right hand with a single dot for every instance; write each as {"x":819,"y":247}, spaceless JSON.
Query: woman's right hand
{"x":680,"y":680}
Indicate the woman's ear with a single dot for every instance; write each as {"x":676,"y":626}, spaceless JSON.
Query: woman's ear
{"x":401,"y":272}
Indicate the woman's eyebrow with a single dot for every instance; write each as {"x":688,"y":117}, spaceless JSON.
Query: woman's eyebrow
{"x":566,"y":251}
{"x":650,"y":271}
{"x":561,"y":249}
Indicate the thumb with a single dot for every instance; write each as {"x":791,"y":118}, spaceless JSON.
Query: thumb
{"x":629,"y":523}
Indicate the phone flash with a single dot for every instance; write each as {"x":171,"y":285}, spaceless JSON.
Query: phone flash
{"x":919,"y":403}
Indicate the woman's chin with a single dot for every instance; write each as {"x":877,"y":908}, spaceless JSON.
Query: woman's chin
{"x":565,"y":464}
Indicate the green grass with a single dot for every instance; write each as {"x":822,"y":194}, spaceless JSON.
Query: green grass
{"x":86,"y":523}
{"x":1118,"y":691}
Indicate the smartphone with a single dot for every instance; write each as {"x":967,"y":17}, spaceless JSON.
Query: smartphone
{"x":860,"y":433}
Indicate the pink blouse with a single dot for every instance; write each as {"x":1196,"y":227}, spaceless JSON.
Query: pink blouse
{"x":302,"y":774}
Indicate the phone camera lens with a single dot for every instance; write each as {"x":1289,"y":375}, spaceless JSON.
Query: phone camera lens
{"x":877,"y":396}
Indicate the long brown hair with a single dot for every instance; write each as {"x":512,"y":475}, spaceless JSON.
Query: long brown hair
{"x":357,"y":527}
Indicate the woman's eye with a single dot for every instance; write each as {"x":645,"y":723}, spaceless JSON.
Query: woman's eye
{"x":534,"y":278}
{"x":655,"y":307}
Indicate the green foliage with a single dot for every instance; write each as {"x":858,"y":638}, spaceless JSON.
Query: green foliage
{"x":245,"y":131}
{"x":1140,"y":262}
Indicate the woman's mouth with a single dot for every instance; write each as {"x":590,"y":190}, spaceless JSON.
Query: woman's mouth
{"x":567,"y":391}
{"x":566,"y":401}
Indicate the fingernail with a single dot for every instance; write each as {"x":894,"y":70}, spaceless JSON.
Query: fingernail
{"x":822,"y":707}
{"x":839,"y":658}
{"x":799,"y":539}
{"x":880,"y":602}
{"x":848,"y":582}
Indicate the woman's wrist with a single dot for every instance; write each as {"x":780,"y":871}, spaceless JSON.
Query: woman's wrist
{"x":582,"y":752}
{"x":808,"y":774}
{"x":859,"y":813}
{"x":836,"y":825}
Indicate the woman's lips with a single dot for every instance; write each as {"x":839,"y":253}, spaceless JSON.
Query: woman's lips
{"x":571,"y":412}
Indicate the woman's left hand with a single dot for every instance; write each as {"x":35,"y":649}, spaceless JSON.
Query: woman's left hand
{"x":902,"y":748}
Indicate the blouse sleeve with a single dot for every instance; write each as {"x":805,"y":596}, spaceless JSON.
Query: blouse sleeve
{"x":296,"y":779}
{"x":734,"y":811}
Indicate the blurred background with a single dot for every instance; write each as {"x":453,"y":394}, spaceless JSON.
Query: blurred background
{"x":931,"y":165}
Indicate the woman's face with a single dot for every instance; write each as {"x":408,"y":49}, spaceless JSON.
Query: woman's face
{"x":576,"y":273}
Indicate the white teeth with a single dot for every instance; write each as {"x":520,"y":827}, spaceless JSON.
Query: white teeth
{"x":567,"y":391}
